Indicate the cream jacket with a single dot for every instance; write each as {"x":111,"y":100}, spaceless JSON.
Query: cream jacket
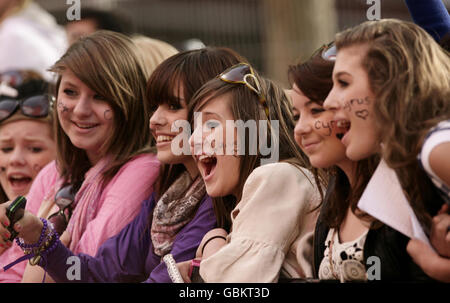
{"x":272,"y":229}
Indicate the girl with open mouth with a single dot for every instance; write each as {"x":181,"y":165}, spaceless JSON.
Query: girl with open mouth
{"x":26,"y":133}
{"x":345,"y":237}
{"x":265,"y":212}
{"x":391,"y":84}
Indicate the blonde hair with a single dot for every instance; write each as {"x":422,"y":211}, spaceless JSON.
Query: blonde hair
{"x":409,"y":75}
{"x":107,"y":62}
{"x":152,"y":52}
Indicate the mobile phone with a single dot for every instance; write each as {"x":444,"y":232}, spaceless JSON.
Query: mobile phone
{"x":15,"y":212}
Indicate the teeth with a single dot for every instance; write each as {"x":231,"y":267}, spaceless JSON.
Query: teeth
{"x":343,"y":124}
{"x":85,"y":125}
{"x":163,"y":139}
{"x":18,"y":177}
{"x":205,"y":158}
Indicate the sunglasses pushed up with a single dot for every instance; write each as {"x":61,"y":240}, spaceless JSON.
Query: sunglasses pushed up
{"x":64,"y":199}
{"x":240,"y":74}
{"x":35,"y":107}
{"x":328,"y":52}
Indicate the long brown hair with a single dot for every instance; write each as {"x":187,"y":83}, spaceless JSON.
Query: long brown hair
{"x":409,"y":75}
{"x":314,"y":78}
{"x":190,"y":69}
{"x":245,"y":106}
{"x":106,"y":62}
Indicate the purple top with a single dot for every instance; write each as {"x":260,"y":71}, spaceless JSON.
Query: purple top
{"x":129,"y":256}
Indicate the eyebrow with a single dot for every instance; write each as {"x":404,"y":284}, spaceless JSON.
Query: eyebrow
{"x":342,"y":73}
{"x":66,"y":82}
{"x":213,"y":114}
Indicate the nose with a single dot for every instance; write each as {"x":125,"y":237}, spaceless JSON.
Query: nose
{"x":83,"y":106}
{"x":196,"y":141}
{"x":17,"y":157}
{"x":331,"y":102}
{"x":157,"y":119}
{"x":302,"y":127}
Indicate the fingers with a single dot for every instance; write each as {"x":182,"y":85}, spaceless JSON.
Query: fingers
{"x":444,"y":209}
{"x":439,"y":236}
{"x":184,"y":269}
{"x":4,"y":232}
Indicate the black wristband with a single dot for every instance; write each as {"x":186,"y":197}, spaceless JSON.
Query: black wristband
{"x":207,"y":241}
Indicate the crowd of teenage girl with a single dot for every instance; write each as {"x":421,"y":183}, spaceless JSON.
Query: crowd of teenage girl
{"x":113,"y":188}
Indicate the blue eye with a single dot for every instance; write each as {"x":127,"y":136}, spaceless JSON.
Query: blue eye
{"x":212,"y":124}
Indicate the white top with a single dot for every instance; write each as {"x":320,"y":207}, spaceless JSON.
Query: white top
{"x":272,"y":229}
{"x":347,"y":259}
{"x":437,"y":135}
{"x":31,"y":39}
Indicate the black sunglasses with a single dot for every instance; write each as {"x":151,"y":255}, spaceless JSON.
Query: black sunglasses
{"x":36,"y":106}
{"x":64,"y":199}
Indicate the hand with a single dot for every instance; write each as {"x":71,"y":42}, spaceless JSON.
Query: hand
{"x":184,"y":268}
{"x":440,"y":235}
{"x":29,"y":227}
{"x":4,"y":233}
{"x":431,"y":263}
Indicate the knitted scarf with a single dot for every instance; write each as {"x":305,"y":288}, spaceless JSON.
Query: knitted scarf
{"x":174,"y":210}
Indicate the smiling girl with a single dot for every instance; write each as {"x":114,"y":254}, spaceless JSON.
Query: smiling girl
{"x":345,"y":237}
{"x":177,"y":215}
{"x":104,"y":169}
{"x":391,"y":88}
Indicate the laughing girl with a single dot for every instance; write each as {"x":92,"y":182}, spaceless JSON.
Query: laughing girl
{"x":267,"y":209}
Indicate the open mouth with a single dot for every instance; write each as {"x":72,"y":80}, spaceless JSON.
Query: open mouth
{"x":19,"y":181}
{"x":207,"y":164}
{"x":343,"y":126}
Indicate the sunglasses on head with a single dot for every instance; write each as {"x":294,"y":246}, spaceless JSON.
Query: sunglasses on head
{"x":64,"y":199}
{"x":241,"y":73}
{"x":35,"y":107}
{"x":328,"y":52}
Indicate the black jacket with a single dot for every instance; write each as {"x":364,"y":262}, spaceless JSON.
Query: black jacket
{"x":384,"y":242}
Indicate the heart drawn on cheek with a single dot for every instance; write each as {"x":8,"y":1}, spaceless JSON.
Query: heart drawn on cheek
{"x":362,"y":114}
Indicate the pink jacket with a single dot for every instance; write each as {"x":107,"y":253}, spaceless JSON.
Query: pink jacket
{"x":120,"y":202}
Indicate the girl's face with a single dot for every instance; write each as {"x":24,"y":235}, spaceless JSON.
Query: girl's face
{"x":26,"y":146}
{"x":85,"y":116}
{"x":165,"y":129}
{"x":315,"y":131}
{"x":218,"y":164}
{"x":352,"y":101}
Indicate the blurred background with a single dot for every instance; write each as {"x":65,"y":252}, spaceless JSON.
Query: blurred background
{"x":271,"y":33}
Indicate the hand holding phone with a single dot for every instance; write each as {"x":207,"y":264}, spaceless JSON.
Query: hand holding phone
{"x":15,"y":212}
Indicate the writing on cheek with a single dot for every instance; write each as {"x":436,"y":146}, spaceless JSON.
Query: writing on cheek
{"x":107,"y":114}
{"x":37,"y":168}
{"x":325,"y":125}
{"x":62,"y":107}
{"x":360,"y":113}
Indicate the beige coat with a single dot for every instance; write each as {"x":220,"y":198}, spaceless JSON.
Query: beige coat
{"x":272,"y":229}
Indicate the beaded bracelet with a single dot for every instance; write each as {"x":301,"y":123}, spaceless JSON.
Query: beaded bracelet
{"x":48,"y":241}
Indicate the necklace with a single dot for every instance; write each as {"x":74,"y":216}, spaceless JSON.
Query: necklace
{"x":330,"y":255}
